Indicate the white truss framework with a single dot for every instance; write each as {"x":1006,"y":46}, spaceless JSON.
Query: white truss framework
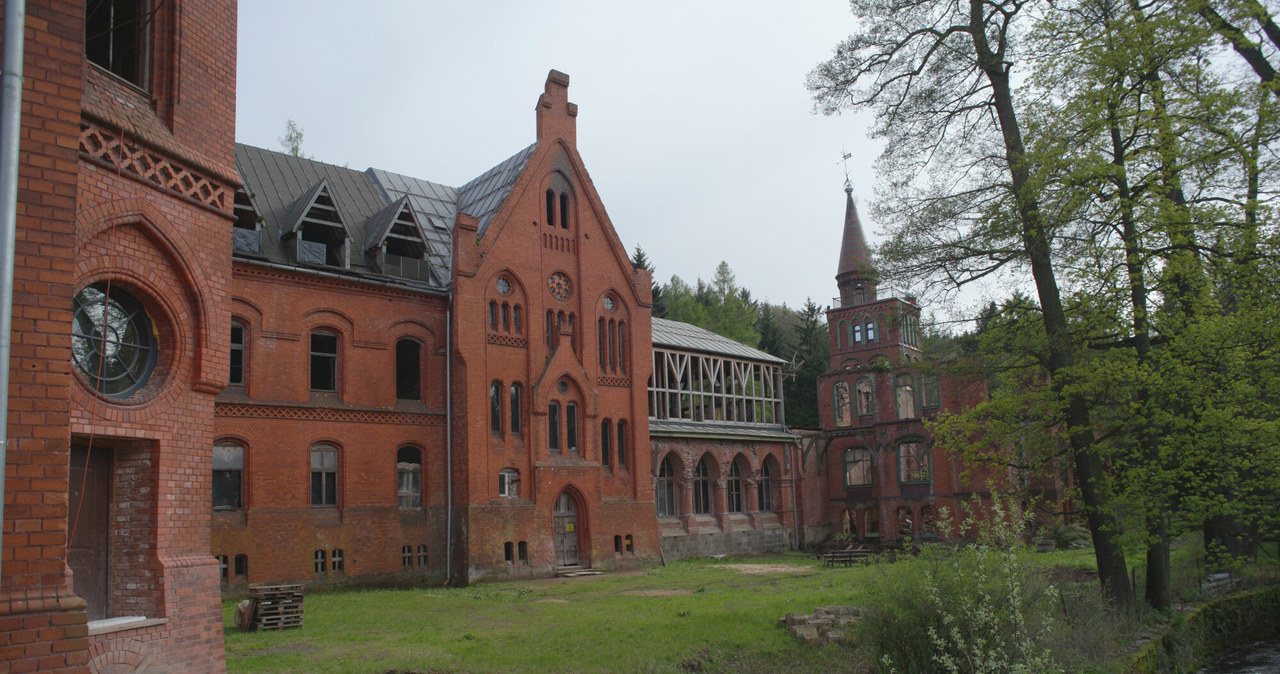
{"x":704,"y":387}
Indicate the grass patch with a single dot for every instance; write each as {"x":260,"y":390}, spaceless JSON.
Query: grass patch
{"x":692,"y":615}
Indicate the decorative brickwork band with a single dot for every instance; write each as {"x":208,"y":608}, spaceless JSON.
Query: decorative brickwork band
{"x":508,"y":340}
{"x":624,"y":382}
{"x":118,"y":152}
{"x":325,"y":414}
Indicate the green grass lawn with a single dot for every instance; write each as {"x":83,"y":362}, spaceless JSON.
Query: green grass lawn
{"x":699,"y":615}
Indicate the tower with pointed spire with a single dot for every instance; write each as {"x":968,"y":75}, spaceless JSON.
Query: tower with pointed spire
{"x":856,"y":277}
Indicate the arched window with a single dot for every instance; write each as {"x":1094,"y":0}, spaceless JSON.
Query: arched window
{"x":602,"y":344}
{"x":571,"y":426}
{"x":515,"y":320}
{"x":324,"y":476}
{"x":840,"y":335}
{"x":236,"y":376}
{"x":905,"y":524}
{"x":228,"y":476}
{"x":622,"y":347}
{"x":508,"y":483}
{"x":337,"y":561}
{"x":606,"y":430}
{"x":406,"y":556}
{"x":408,"y":369}
{"x":320,"y":565}
{"x":564,"y":210}
{"x":553,"y":426}
{"x":871,"y":331}
{"x":495,"y":408}
{"x":857,"y":467}
{"x":517,"y":419}
{"x":665,"y":490}
{"x":506,"y":317}
{"x":764,"y":492}
{"x":862,"y":391}
{"x":622,"y":443}
{"x":422,"y":556}
{"x":702,"y":488}
{"x":857,"y":333}
{"x":913,"y":462}
{"x":905,"y":395}
{"x":493,"y":316}
{"x":733,"y":489}
{"x":551,"y":208}
{"x":324,"y":361}
{"x":409,"y":477}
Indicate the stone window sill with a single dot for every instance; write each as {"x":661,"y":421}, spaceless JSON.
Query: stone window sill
{"x":109,"y":625}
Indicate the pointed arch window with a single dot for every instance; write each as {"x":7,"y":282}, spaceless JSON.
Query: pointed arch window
{"x":702,"y":488}
{"x":665,"y":490}
{"x":733,"y":489}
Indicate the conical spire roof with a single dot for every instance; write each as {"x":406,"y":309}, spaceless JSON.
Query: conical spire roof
{"x":855,"y":257}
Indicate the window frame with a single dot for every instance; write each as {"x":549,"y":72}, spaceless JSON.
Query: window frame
{"x":495,"y":408}
{"x":408,"y":375}
{"x":509,"y":483}
{"x":516,"y":411}
{"x":409,"y":498}
{"x":329,"y":493}
{"x":858,"y":456}
{"x":239,"y":475}
{"x":665,"y":490}
{"x":701,"y":485}
{"x":318,"y":359}
{"x":921,"y":452}
{"x":237,"y":369}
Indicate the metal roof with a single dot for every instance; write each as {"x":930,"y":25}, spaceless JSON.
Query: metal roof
{"x":282,"y":186}
{"x":483,"y":196}
{"x":684,"y":336}
{"x":670,"y":428}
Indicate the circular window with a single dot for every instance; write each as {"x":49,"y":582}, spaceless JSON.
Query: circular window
{"x":608,"y":303}
{"x":504,"y":286}
{"x":112,"y":344}
{"x":558,"y":284}
{"x":562,"y":386}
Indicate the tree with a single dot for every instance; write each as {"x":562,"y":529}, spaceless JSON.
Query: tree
{"x":811,"y":357}
{"x":939,"y":76}
{"x":720,"y":306}
{"x":291,"y":141}
{"x":640,"y":260}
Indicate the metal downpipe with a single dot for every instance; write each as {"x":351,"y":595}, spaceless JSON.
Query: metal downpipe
{"x":15,"y":21}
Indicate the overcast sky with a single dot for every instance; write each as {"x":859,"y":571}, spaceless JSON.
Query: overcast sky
{"x":693,"y":118}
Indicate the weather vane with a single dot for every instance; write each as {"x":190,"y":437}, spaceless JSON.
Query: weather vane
{"x":845,"y":161}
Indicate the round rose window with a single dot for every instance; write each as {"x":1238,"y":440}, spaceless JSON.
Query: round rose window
{"x":111,"y":341}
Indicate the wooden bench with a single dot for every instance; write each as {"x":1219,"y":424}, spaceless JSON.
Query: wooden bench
{"x":845,"y":557}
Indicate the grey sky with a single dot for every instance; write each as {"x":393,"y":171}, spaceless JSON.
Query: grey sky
{"x":693,"y":118}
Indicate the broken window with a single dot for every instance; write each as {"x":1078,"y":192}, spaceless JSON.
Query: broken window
{"x":228,"y":476}
{"x":324,"y":476}
{"x":495,"y":408}
{"x":246,"y":234}
{"x":906,"y":526}
{"x":508,"y":483}
{"x":408,"y":370}
{"x":409,"y":477}
{"x":115,"y":37}
{"x":866,"y":400}
{"x":857,"y":467}
{"x":324,"y":361}
{"x":242,"y":566}
{"x":905,"y":395}
{"x":764,"y":491}
{"x":913,"y":462}
{"x":842,"y":403}
{"x":112,"y":342}
{"x":236,"y":375}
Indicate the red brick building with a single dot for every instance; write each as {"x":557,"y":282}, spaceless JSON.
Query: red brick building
{"x":120,"y":336}
{"x":878,"y":473}
{"x":432,"y":381}
{"x":723,"y":461}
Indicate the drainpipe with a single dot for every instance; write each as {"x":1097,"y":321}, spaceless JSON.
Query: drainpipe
{"x":448,"y":438}
{"x":15,"y":21}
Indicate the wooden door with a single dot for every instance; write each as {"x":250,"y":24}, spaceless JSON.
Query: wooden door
{"x":566,"y":531}
{"x":89,"y":526}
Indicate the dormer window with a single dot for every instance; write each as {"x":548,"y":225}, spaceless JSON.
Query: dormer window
{"x":115,"y":37}
{"x":319,"y":235}
{"x":402,"y":248}
{"x":247,"y":235}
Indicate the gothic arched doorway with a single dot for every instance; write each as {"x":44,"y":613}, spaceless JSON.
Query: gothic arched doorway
{"x":566,"y":531}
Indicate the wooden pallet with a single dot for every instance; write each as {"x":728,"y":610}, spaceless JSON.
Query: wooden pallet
{"x":276,"y":606}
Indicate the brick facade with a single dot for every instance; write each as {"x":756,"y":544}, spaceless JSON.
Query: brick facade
{"x":126,"y":184}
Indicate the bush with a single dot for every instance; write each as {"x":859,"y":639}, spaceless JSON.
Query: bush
{"x":977,"y":608}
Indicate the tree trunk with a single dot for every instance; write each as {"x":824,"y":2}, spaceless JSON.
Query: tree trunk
{"x":1089,"y":471}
